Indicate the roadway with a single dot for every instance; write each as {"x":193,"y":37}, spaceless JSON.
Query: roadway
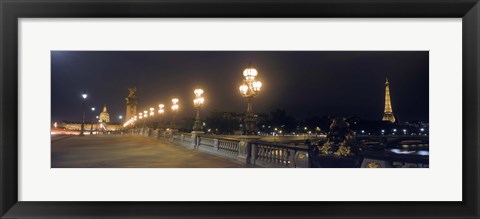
{"x":124,"y":151}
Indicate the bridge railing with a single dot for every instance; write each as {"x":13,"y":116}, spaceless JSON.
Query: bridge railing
{"x":245,"y":150}
{"x":254,"y":152}
{"x":267,"y":154}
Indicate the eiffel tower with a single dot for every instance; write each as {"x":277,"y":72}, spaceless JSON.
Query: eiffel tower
{"x":388,"y":112}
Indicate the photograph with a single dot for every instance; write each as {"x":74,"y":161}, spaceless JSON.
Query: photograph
{"x":239,"y":109}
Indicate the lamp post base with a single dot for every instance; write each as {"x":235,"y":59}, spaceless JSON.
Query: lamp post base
{"x":250,"y":125}
{"x":82,"y":130}
{"x":197,"y":126}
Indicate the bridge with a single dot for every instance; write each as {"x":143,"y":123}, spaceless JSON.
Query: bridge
{"x":124,"y":151}
{"x":155,"y":148}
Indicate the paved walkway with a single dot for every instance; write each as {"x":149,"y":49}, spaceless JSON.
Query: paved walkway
{"x":122,"y":151}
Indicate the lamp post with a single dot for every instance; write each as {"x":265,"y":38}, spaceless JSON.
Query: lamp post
{"x":91,"y":126}
{"x":134,"y":122}
{"x":198,"y":103}
{"x":145,"y":116}
{"x":140,"y":116}
{"x":250,"y":89}
{"x":82,"y":127}
{"x":174,"y":112}
{"x":152,"y":113}
{"x":161,"y":110}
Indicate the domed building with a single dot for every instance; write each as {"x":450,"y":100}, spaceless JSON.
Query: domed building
{"x":104,"y":116}
{"x":103,"y":126}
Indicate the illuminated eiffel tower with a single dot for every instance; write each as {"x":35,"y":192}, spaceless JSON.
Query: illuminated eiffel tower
{"x":388,"y":112}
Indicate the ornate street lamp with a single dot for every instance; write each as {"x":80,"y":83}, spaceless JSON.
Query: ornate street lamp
{"x":82,"y":127}
{"x":91,"y":126}
{"x":174,"y":112}
{"x":198,"y":103}
{"x":161,"y":111}
{"x":151,"y":111}
{"x":135,"y":122}
{"x":150,"y":123}
{"x":250,"y":89}
{"x":145,"y":116}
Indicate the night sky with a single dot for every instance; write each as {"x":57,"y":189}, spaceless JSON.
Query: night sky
{"x":304,"y":83}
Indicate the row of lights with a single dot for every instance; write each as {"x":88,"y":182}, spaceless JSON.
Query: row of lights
{"x":249,"y":89}
{"x":198,"y":102}
{"x":394,"y":131}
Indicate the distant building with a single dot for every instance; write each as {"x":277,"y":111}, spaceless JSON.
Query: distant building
{"x":77,"y":125}
{"x":104,"y":116}
{"x":102,"y":125}
{"x":388,"y":112}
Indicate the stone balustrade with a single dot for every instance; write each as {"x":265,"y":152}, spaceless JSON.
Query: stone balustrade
{"x":247,"y":150}
{"x":279,"y":155}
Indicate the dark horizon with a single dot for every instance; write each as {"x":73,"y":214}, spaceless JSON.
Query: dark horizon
{"x":304,"y":83}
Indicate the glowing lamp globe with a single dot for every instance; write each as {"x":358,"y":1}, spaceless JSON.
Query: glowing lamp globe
{"x":257,"y":85}
{"x":243,"y":88}
{"x":250,"y":73}
{"x":198,"y":92}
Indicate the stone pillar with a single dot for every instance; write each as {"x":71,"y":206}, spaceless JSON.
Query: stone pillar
{"x":194,"y":144}
{"x":302,"y":160}
{"x":215,"y":144}
{"x":245,"y":149}
{"x":131,"y":103}
{"x":375,"y":163}
{"x":292,"y":155}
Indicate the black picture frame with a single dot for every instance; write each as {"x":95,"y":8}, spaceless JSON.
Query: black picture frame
{"x":12,"y":10}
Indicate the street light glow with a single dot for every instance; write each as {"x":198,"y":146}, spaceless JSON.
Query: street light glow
{"x":257,"y":85}
{"x":175,"y":105}
{"x":243,"y":89}
{"x":161,"y":109}
{"x":198,"y":92}
{"x":250,"y":72}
